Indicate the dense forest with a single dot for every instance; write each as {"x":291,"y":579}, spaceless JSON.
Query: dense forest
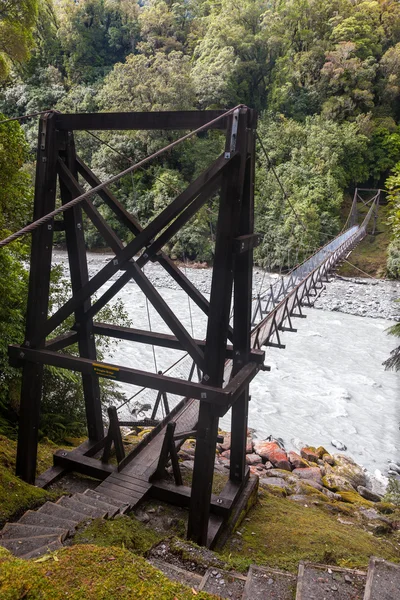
{"x":324,"y":76}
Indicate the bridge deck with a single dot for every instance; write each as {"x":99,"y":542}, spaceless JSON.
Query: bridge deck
{"x":132,"y":483}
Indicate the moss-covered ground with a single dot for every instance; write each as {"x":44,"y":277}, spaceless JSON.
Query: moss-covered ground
{"x":88,"y":573}
{"x":16,"y":496}
{"x":280,"y":532}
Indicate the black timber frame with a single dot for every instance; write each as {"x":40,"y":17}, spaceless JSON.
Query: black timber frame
{"x":233,"y":174}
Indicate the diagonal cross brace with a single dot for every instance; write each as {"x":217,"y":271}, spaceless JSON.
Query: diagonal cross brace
{"x":142,"y":239}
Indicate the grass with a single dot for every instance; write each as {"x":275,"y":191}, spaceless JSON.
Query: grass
{"x":88,"y":573}
{"x":279,"y":533}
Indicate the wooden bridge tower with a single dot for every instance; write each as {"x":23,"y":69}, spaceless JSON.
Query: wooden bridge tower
{"x":232,"y":174}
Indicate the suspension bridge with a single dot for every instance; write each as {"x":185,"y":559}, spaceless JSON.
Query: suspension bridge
{"x":239,"y":326}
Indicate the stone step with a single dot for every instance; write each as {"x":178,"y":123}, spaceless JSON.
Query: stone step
{"x":107,"y":500}
{"x":12,"y":531}
{"x":264,"y":583}
{"x":177,"y":573}
{"x":89,"y":511}
{"x":383,"y":580}
{"x":32,"y":517}
{"x":21,"y":547}
{"x":42,"y":550}
{"x":56,"y":510}
{"x":315,"y":582}
{"x":96,"y":503}
{"x":224,"y":584}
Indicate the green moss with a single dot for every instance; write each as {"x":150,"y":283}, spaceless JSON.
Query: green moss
{"x":124,"y":532}
{"x":385,"y":508}
{"x":280,"y":533}
{"x":355,"y":498}
{"x":89,"y":573}
{"x":16,"y":496}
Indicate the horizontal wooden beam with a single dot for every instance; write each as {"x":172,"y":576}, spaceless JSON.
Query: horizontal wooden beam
{"x":83,"y":464}
{"x":141,"y":120}
{"x":171,"y":385}
{"x":180,"y":496}
{"x":163,"y":340}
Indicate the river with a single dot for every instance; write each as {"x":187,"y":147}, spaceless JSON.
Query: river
{"x":329,"y":382}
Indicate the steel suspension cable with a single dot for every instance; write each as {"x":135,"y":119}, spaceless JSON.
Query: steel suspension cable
{"x":46,"y":218}
{"x":30,"y":116}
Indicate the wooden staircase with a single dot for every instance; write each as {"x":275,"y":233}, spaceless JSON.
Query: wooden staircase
{"x":45,"y":530}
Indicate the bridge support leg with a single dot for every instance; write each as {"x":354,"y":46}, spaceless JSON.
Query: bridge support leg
{"x":75,"y":239}
{"x":243,"y":279}
{"x":217,"y":329}
{"x":38,"y":295}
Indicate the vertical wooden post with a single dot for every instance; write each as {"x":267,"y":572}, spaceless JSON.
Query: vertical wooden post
{"x":243,"y":280}
{"x":38,"y":298}
{"x":217,"y":331}
{"x":79,"y":277}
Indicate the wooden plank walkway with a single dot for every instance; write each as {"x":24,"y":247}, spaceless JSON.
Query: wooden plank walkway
{"x":132,"y":484}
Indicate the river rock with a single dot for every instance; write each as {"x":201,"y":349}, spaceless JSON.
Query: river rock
{"x":274,"y":481}
{"x":328,"y":458}
{"x":296,"y":461}
{"x":368,"y":494}
{"x":249,"y":446}
{"x":347,"y":468}
{"x":337,"y":483}
{"x":226,"y":444}
{"x":309,"y":473}
{"x":339,"y":445}
{"x":271,"y":451}
{"x":309,"y":453}
{"x":253,"y":459}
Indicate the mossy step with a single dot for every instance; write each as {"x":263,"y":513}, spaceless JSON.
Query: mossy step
{"x":383,"y":580}
{"x":43,"y":550}
{"x":32,"y":517}
{"x":56,"y":510}
{"x":21,"y":547}
{"x":12,"y":531}
{"x":265,"y":584}
{"x":89,"y":511}
{"x":224,"y":584}
{"x":96,"y":503}
{"x":175,"y":573}
{"x":106,"y":500}
{"x":330,"y":583}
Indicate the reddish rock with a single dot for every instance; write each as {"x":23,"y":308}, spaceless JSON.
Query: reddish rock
{"x":296,"y":461}
{"x":249,"y":446}
{"x":226,"y":444}
{"x":270,"y":451}
{"x":226,"y":454}
{"x":310,"y":473}
{"x":309,"y":453}
{"x":253,"y":459}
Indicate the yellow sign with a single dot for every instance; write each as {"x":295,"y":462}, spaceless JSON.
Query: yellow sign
{"x":105,"y":370}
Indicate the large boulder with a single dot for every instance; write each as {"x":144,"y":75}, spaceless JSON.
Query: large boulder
{"x":309,"y":473}
{"x":296,"y":461}
{"x":253,"y":459}
{"x":346,"y":467}
{"x":337,"y":483}
{"x":272,"y":452}
{"x":309,"y":453}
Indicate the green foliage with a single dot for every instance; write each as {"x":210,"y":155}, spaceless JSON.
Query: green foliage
{"x":393,"y":491}
{"x":17,"y":18}
{"x":315,"y":161}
